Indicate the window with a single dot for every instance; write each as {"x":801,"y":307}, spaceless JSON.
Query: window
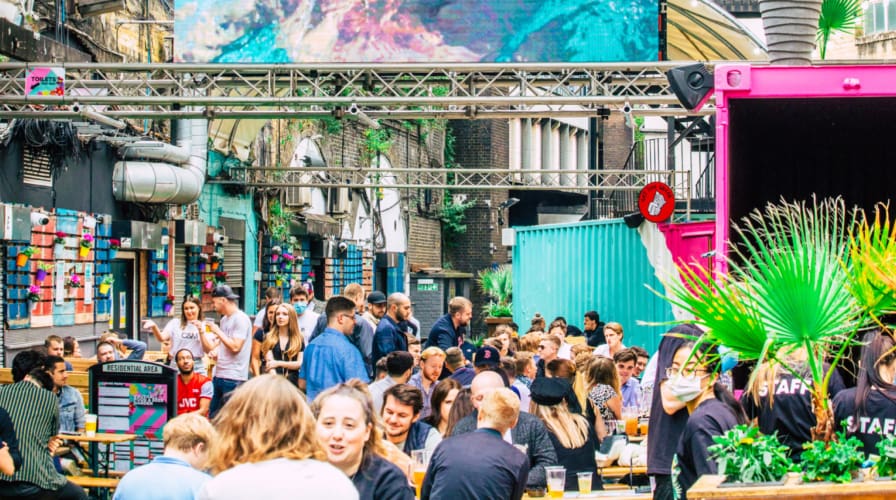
{"x":880,"y":16}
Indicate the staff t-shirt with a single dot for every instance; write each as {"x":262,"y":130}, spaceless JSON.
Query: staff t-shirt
{"x":877,"y":421}
{"x":189,"y":395}
{"x":790,"y":413}
{"x":711,"y":418}
{"x":235,"y":366}
{"x":185,"y":337}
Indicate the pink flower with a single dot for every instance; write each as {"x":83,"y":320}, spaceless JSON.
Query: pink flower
{"x":34,"y":289}
{"x":87,"y":237}
{"x":163,"y":273}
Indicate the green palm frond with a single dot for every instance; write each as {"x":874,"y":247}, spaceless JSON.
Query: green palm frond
{"x":497,"y":283}
{"x":872,"y":249}
{"x":836,"y":16}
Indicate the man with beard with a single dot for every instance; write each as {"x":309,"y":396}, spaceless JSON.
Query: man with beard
{"x":376,"y":308}
{"x":389,"y":335}
{"x":448,"y":331}
{"x":194,"y":390}
{"x":401,"y":420}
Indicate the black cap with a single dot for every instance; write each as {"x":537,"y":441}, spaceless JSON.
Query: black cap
{"x":376,"y":297}
{"x":225,"y":292}
{"x":487,"y":355}
{"x":549,"y":391}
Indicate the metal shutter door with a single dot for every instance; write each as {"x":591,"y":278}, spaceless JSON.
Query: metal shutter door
{"x":233,"y":264}
{"x":180,"y":275}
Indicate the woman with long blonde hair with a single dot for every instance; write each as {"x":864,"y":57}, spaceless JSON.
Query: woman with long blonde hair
{"x":267,"y":446}
{"x":283,"y":345}
{"x":573,"y":437}
{"x":351,"y":435}
{"x":604,"y":396}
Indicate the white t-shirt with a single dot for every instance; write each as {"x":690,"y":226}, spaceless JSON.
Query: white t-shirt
{"x":235,"y":366}
{"x":604,"y":350}
{"x":307,"y":322}
{"x":185,"y":338}
{"x":565,"y":351}
{"x":280,"y":479}
{"x":259,"y":318}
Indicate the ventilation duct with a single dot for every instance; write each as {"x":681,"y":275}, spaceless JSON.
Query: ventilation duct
{"x":179,"y":180}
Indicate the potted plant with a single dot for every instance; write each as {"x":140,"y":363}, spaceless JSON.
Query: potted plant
{"x":209,"y":284}
{"x":194,"y":290}
{"x":497,"y":283}
{"x":168,"y":304}
{"x":59,"y":244}
{"x":203,"y":261}
{"x":114,"y":245}
{"x":24,"y":255}
{"x":106,"y":284}
{"x":42,"y":271}
{"x":279,"y":279}
{"x":275,"y":253}
{"x":220,"y":277}
{"x":74,"y":281}
{"x":838,"y":461}
{"x":746,"y":456}
{"x":86,"y":245}
{"x":886,"y":465}
{"x":162,"y":279}
{"x":215,"y":260}
{"x":34,"y":294}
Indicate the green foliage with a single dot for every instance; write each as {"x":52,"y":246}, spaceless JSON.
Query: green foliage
{"x":835,"y":461}
{"x":886,"y":466}
{"x":375,"y":142}
{"x":745,"y":455}
{"x":497,"y":284}
{"x":837,"y":16}
{"x":872,"y":250}
{"x":452,"y":216}
{"x":278,"y":221}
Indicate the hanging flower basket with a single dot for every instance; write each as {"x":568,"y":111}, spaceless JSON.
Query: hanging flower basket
{"x":114,"y":245}
{"x":74,"y":281}
{"x":209,"y":284}
{"x":194,"y":290}
{"x":168,"y":304}
{"x":201,"y":266}
{"x":220,"y":277}
{"x":24,"y":255}
{"x":215,"y":265}
{"x":43,"y":270}
{"x":86,"y":245}
{"x":106,"y":284}
{"x":34,"y":294}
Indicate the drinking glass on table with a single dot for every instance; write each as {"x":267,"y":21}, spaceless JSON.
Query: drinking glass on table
{"x":584,"y":483}
{"x":556,"y":481}
{"x":419,"y":463}
{"x":630,"y":415}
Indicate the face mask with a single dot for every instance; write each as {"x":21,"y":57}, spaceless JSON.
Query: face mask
{"x":300,"y":307}
{"x":684,"y":388}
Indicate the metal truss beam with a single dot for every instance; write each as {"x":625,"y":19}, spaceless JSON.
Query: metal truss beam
{"x":402,"y":91}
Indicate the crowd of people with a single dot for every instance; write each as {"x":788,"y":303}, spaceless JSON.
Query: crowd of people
{"x":344,"y":402}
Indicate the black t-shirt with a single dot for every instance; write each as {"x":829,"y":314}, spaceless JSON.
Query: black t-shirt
{"x":877,"y":421}
{"x":664,"y":430}
{"x":596,"y":336}
{"x":379,"y":479}
{"x":279,"y":355}
{"x":573,"y":331}
{"x":711,"y":418}
{"x":580,"y":459}
{"x":791,"y":413}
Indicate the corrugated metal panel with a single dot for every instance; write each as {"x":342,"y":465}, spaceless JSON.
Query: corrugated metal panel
{"x":180,"y":275}
{"x":233,"y":263}
{"x":569,"y":269}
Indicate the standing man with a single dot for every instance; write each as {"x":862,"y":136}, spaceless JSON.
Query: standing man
{"x":34,"y":412}
{"x":194,"y":390}
{"x":71,"y":403}
{"x":448,"y":331}
{"x":481,"y":464}
{"x":299,"y":299}
{"x":331,"y":359}
{"x":177,"y":473}
{"x":362,"y":334}
{"x":401,"y":420}
{"x":594,"y":329}
{"x":398,"y":370}
{"x":271,"y":295}
{"x":235,"y":335}
{"x":389,"y":335}
{"x":431,"y":364}
{"x":376,"y":308}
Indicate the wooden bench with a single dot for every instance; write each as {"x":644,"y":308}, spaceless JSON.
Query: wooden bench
{"x":81,"y":364}
{"x":78,"y":380}
{"x":94,"y":482}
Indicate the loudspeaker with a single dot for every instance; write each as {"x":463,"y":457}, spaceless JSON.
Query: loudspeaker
{"x":691,"y":84}
{"x":633,"y":220}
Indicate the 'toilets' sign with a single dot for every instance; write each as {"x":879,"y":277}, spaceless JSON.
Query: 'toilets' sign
{"x":45,"y":81}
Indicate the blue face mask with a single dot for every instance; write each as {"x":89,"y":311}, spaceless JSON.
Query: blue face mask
{"x":300,"y":307}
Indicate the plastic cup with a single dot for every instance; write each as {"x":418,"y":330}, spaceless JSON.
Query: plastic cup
{"x":584,"y":483}
{"x":419,"y":463}
{"x":90,"y":424}
{"x":556,"y":481}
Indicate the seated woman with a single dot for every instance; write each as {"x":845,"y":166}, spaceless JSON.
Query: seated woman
{"x":870,"y":406}
{"x":442,"y":399}
{"x":693,"y":380}
{"x":462,"y":406}
{"x":572,"y":436}
{"x":267,"y":447}
{"x":604,"y":398}
{"x":566,"y":370}
{"x":348,"y":431}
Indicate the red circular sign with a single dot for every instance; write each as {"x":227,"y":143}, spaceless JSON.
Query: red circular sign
{"x":656,"y":202}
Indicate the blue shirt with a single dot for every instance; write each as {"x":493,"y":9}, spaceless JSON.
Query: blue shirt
{"x":631,"y":393}
{"x":331,"y":359}
{"x":389,"y":337}
{"x":417,"y":381}
{"x":165,"y":478}
{"x":71,"y":409}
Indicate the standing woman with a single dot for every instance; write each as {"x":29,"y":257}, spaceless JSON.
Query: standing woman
{"x":613,"y":333}
{"x":186,"y":332}
{"x":870,"y":406}
{"x":256,"y":360}
{"x":443,"y":397}
{"x":348,"y":431}
{"x":693,"y":380}
{"x":604,"y":398}
{"x":283,"y":345}
{"x":267,"y":448}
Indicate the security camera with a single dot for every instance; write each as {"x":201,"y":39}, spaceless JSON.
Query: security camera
{"x":220,"y":238}
{"x":627,"y":108}
{"x":343,"y":246}
{"x":39,"y":219}
{"x":76,"y":107}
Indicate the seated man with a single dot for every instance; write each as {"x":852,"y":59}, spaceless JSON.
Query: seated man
{"x":137,"y":347}
{"x":105,"y":352}
{"x":71,"y":403}
{"x":625,"y":366}
{"x":194,"y":390}
{"x":56,"y":347}
{"x":480,"y":464}
{"x":528,"y":431}
{"x":176,"y":474}
{"x":401,"y":419}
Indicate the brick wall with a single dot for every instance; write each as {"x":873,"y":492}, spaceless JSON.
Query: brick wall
{"x":424,"y":242}
{"x":617,"y":141}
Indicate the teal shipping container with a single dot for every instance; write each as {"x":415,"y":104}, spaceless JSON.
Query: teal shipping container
{"x":569,"y":269}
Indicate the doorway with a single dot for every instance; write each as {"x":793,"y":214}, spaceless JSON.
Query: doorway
{"x":122,"y":294}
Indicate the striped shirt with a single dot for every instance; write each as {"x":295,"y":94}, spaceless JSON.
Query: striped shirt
{"x":35,"y":415}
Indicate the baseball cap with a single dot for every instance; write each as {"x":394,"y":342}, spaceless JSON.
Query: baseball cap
{"x":376,"y":297}
{"x":549,"y":391}
{"x":487,"y":356}
{"x":225,"y":292}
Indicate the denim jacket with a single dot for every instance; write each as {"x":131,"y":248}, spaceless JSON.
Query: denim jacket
{"x":71,"y":409}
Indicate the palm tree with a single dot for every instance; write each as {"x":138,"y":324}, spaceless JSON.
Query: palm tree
{"x":790,"y":28}
{"x":837,"y":16}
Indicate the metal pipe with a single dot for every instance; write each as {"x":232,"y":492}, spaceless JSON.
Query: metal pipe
{"x":479,"y":101}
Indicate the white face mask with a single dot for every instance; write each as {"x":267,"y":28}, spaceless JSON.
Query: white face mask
{"x":685,"y":388}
